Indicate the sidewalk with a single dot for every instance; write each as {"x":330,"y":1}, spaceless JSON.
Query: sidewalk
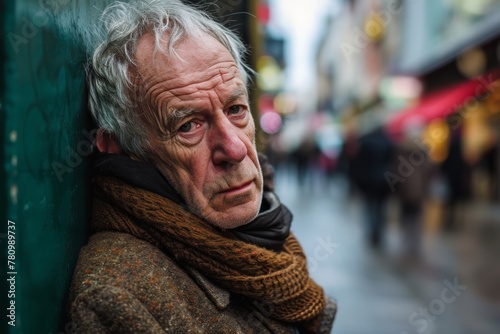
{"x":372,"y":297}
{"x":377,"y":291}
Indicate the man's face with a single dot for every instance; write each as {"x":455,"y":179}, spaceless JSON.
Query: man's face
{"x":202,"y":133}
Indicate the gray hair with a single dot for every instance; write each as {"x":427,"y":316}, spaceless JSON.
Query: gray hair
{"x":109,"y":71}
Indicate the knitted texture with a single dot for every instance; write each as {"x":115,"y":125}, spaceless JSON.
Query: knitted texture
{"x":280,"y":280}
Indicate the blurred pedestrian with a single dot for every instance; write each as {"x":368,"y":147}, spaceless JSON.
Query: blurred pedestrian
{"x":305,"y":160}
{"x":373,"y":158}
{"x":457,"y":175}
{"x":412,"y":190}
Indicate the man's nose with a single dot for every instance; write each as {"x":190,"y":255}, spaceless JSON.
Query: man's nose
{"x":227,"y":144}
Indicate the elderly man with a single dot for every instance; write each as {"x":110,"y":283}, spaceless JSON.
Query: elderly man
{"x":187,"y":234}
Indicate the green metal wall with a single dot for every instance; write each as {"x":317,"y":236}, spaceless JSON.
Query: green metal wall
{"x":45,"y":154}
{"x":45,"y":150}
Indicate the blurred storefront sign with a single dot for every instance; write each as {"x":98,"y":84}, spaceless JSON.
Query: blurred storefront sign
{"x":436,"y":137}
{"x":472,"y":62}
{"x":444,"y":103}
{"x":374,"y":27}
{"x":263,"y":12}
{"x":275,"y":47}
{"x":481,"y":132}
{"x":399,"y":91}
{"x":270,"y":77}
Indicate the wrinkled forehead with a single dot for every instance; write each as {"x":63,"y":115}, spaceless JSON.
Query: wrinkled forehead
{"x":189,"y":55}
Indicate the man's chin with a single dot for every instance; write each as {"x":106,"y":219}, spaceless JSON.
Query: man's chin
{"x":234,"y":217}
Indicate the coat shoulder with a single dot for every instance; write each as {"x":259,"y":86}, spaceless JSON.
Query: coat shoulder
{"x":118,"y":264}
{"x":117,"y":273}
{"x":119,"y":259}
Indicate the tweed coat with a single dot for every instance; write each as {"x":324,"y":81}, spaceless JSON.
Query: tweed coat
{"x":122,"y":284}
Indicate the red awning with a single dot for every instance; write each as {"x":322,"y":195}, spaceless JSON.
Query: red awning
{"x":442,"y":103}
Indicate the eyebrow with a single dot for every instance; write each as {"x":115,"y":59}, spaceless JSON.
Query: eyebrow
{"x":242,"y":91}
{"x":176,"y":115}
{"x":182,"y":112}
{"x":179,"y":113}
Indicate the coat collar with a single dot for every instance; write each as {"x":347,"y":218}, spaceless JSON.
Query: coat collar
{"x":218,"y":296}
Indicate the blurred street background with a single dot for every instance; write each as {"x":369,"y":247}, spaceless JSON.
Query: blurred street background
{"x":381,"y":118}
{"x":381,"y":290}
{"x":384,"y":127}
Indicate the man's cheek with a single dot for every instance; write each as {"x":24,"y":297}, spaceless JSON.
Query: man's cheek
{"x":251,"y":126}
{"x":174,"y":157}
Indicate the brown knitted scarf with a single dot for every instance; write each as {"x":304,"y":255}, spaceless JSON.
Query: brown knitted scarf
{"x":281,"y":280}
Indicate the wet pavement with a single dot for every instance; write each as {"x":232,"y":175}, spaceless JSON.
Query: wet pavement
{"x":379,"y":291}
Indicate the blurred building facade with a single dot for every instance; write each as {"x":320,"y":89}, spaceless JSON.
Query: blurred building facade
{"x":419,"y":67}
{"x":391,"y":53}
{"x":427,"y":74}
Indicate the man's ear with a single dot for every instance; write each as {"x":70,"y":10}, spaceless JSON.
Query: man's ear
{"x":106,"y":142}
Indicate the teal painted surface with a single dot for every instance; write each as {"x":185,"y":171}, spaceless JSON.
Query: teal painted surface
{"x":45,"y":153}
{"x":45,"y":161}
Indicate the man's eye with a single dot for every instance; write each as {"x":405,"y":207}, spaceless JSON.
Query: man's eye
{"x":186,"y":127}
{"x":234,"y":110}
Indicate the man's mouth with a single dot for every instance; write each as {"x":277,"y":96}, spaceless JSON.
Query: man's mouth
{"x":238,"y":188}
